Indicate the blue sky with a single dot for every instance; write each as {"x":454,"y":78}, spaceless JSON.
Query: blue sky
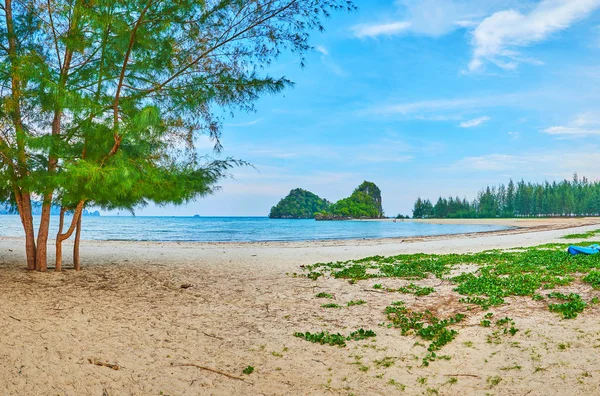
{"x":423,"y":97}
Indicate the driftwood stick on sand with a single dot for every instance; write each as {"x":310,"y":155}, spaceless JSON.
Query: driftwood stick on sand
{"x":212,"y":370}
{"x":102,"y":364}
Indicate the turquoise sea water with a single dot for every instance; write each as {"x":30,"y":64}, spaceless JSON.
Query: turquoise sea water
{"x":242,"y":229}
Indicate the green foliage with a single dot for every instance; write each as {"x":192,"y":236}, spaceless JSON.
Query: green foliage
{"x":500,"y":274}
{"x":593,"y":278}
{"x":579,"y":197}
{"x":299,"y":204}
{"x":248,"y":370}
{"x":572,"y":306}
{"x":585,"y":235}
{"x":425,"y":325}
{"x":358,"y":302}
{"x":324,"y":295}
{"x":361,"y":334}
{"x":325,"y":337}
{"x":330,"y":305}
{"x":414,"y":289}
{"x":364,"y":203}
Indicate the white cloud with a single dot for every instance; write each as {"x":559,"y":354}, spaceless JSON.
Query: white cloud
{"x":381,"y":29}
{"x":475,"y":122}
{"x":587,"y":119}
{"x":585,"y":124}
{"x":571,"y":131}
{"x":493,"y":162}
{"x":531,"y":165}
{"x":322,"y":50}
{"x":496,"y":38}
{"x":329,"y":63}
{"x":515,"y":135}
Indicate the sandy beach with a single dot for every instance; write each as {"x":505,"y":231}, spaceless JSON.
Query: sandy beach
{"x":240,"y":305}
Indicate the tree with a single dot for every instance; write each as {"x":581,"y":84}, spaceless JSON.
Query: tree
{"x":299,"y":204}
{"x":579,"y":197}
{"x":107,"y":97}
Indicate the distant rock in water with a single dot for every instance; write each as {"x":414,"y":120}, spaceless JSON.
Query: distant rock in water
{"x":299,"y":204}
{"x":196,"y":216}
{"x":364,"y":203}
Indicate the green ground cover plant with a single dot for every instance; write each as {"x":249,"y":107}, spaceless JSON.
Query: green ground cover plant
{"x":326,"y":338}
{"x":492,"y":276}
{"x":584,"y":235}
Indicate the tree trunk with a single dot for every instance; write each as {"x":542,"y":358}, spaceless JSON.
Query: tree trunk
{"x":58,"y":262}
{"x":60,"y":237}
{"x":41,"y":261}
{"x":76,"y":261}
{"x":24,"y":207}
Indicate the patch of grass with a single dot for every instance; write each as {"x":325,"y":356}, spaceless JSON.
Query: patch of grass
{"x":358,"y":302}
{"x":330,"y":305}
{"x":515,"y":367}
{"x":398,"y":385}
{"x":378,"y":286}
{"x":493,"y":381}
{"x":324,"y":295}
{"x":452,"y":381}
{"x":385,"y":362}
{"x":585,"y":235}
{"x":414,"y":289}
{"x":248,"y":370}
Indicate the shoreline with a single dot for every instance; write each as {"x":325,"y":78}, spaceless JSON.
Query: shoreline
{"x":516,"y":226}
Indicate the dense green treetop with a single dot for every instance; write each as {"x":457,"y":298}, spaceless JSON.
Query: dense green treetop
{"x":365,"y":202}
{"x":299,"y":204}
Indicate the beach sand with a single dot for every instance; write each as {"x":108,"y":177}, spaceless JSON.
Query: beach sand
{"x":242,"y":306}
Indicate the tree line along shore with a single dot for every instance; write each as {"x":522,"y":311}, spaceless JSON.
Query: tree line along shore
{"x":567,"y":198}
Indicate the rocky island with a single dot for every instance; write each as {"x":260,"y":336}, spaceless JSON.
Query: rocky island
{"x":299,"y":204}
{"x":364,"y":203}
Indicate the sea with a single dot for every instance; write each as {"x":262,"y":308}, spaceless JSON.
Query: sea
{"x":241,"y":229}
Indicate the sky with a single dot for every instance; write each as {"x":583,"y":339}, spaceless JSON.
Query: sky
{"x":424,"y":98}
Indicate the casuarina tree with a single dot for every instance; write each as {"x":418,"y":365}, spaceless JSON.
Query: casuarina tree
{"x":104,"y":100}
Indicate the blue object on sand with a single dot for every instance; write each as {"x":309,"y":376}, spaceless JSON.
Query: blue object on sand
{"x":593,"y":249}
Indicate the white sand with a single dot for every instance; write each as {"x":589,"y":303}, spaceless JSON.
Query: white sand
{"x":127,"y":307}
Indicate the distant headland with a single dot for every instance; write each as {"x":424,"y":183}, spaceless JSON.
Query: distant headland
{"x":364,"y":203}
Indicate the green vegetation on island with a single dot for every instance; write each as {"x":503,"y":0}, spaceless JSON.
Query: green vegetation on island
{"x":299,"y":204}
{"x":578,"y":197}
{"x":364,"y":203}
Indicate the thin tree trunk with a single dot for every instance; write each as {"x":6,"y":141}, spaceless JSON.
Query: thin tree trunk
{"x":58,"y":262}
{"x":76,"y":260}
{"x":24,"y":207}
{"x":60,"y":237}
